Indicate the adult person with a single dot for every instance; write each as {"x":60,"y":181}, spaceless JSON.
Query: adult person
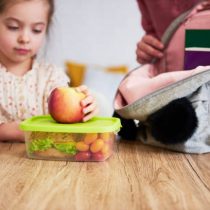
{"x":156,"y":16}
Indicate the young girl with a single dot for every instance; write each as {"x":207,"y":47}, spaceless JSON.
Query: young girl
{"x":26,"y":84}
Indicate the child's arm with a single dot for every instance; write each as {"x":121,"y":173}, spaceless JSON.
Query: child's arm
{"x":90,"y":108}
{"x":11,"y":132}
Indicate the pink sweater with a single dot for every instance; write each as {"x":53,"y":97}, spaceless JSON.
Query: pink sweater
{"x":158,"y":14}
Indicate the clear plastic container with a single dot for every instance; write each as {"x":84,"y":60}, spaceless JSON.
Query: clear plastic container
{"x":94,"y":140}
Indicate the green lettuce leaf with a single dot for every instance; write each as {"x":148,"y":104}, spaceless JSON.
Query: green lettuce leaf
{"x":40,"y":145}
{"x":66,"y":147}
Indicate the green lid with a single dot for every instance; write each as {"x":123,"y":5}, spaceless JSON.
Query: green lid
{"x":45,"y":123}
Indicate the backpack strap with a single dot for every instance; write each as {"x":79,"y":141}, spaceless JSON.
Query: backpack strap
{"x":173,"y":27}
{"x":203,"y":5}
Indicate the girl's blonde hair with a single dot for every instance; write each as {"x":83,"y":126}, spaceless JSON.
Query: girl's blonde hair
{"x":4,"y":4}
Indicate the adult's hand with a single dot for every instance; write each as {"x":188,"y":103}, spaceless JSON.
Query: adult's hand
{"x":148,"y":48}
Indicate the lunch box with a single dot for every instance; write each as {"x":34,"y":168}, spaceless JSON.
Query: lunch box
{"x":94,"y":140}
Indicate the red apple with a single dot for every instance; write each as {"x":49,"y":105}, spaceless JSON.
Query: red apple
{"x":64,"y":105}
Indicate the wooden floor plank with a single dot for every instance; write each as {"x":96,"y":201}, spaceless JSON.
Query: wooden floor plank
{"x":201,"y":165}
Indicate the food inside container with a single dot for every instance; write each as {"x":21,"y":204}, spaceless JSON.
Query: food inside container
{"x":94,"y":140}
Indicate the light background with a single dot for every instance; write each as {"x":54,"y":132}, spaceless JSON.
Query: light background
{"x":96,"y":32}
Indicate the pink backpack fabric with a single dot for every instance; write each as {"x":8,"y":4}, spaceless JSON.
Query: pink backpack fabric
{"x":174,"y":37}
{"x":144,"y":82}
{"x":149,"y":78}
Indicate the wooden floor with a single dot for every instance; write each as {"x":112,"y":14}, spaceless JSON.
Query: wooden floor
{"x":136,"y":177}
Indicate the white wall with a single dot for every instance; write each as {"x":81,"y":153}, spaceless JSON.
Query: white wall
{"x":101,"y":32}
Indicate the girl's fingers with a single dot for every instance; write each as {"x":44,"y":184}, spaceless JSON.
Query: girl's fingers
{"x":83,"y":88}
{"x":91,"y":107}
{"x":90,"y":115}
{"x":87,"y":100}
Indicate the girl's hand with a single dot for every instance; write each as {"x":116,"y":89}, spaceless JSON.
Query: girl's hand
{"x":11,"y":132}
{"x":148,"y":48}
{"x":90,"y":108}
